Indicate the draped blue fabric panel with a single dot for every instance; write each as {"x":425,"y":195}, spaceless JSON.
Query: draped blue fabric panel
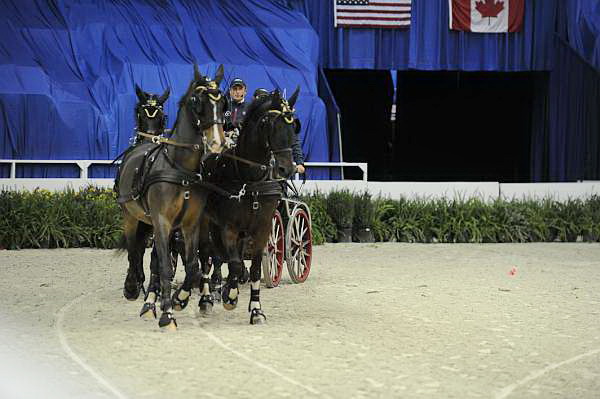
{"x":568,"y":148}
{"x":68,"y":68}
{"x":429,"y":44}
{"x":578,"y":23}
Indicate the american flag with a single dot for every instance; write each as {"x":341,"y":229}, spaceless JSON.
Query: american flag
{"x":372,"y":13}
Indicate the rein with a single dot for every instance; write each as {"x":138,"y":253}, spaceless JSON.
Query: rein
{"x":265,"y":168}
{"x":163,"y":140}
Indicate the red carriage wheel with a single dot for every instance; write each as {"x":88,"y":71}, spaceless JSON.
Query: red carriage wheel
{"x":299,"y":245}
{"x":272,"y":262}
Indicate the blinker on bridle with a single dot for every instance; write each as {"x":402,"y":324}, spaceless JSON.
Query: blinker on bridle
{"x":151,"y":103}
{"x":287,"y":112}
{"x":212,"y":90}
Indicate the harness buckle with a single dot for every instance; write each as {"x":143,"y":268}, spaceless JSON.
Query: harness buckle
{"x":196,"y":147}
{"x":186,"y":195}
{"x":255,"y":205}
{"x":240,"y":194}
{"x":185,"y":183}
{"x":156,"y":139}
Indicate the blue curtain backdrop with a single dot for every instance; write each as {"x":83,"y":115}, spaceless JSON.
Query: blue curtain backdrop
{"x":68,"y":69}
{"x":566,"y":141}
{"x":429,"y":44}
{"x":578,"y":23}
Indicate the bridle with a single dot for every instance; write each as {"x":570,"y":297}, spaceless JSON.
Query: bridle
{"x":269,"y":117}
{"x":151,"y":110}
{"x":214,"y":96}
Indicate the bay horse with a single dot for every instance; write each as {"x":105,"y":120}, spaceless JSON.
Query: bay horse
{"x":246,"y":188}
{"x":158,"y":188}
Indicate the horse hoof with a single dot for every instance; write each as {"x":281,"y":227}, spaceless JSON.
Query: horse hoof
{"x":257,"y":317}
{"x":216,"y":296}
{"x":229,"y":304}
{"x":131,"y":295}
{"x":148,"y":311}
{"x":206,"y":304}
{"x":179,"y":304}
{"x":167,"y":322}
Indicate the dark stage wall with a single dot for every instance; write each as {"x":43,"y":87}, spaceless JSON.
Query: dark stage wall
{"x":450,"y":126}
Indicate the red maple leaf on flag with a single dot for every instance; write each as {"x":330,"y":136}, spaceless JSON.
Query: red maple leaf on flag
{"x":489,"y":8}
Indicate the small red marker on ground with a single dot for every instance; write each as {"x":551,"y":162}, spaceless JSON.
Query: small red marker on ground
{"x":513,"y":271}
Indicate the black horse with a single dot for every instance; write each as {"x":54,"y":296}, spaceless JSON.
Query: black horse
{"x":149,"y":114}
{"x":246,"y":190}
{"x":158,"y":187}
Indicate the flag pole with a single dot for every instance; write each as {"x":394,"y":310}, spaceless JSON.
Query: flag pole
{"x":334,"y":14}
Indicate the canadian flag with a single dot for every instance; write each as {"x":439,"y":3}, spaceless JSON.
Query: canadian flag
{"x":486,"y":15}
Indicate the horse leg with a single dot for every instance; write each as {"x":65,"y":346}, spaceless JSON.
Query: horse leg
{"x":181,"y":296}
{"x":177,"y":248}
{"x":190,"y":232}
{"x":261,"y":236}
{"x":257,"y":316}
{"x":216,"y":279}
{"x":149,"y":308}
{"x":230,"y":289}
{"x":207,"y":299}
{"x":131,"y":230}
{"x":162,"y":228}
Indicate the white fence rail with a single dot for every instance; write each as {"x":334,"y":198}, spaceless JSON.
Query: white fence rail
{"x":488,"y":191}
{"x":84,"y":165}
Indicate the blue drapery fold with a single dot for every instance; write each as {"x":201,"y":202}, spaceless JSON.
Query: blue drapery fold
{"x":567,"y":147}
{"x":429,"y":44}
{"x":68,"y":69}
{"x":578,"y":23}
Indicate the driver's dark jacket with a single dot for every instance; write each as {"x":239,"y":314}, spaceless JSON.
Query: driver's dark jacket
{"x":235,"y":114}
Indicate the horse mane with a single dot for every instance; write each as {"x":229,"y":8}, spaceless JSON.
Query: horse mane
{"x":190,"y":90}
{"x":256,"y":109}
{"x":186,"y":96}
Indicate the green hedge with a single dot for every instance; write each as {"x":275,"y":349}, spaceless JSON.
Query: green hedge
{"x":91,"y":218}
{"x":67,"y":219}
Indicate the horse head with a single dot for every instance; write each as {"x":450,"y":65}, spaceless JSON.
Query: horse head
{"x":280,"y":136}
{"x":206,"y":103}
{"x":149,"y":113}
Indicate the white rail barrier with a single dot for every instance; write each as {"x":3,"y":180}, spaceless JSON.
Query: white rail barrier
{"x":487,"y":191}
{"x":84,"y":165}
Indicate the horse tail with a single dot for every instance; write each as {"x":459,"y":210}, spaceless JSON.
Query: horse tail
{"x":121,"y":245}
{"x":142,"y":233}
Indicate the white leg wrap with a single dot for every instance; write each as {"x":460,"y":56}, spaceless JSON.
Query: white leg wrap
{"x":183,"y":295}
{"x":151,"y":297}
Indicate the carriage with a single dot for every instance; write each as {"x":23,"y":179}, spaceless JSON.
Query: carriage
{"x":290,"y":241}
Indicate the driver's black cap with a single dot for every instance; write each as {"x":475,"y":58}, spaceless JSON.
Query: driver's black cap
{"x":237,"y":82}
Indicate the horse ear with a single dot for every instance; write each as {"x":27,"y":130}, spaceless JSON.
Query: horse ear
{"x":276,"y":96}
{"x":219,"y":75}
{"x":294,"y":97}
{"x":197,"y":75}
{"x":140,"y":94}
{"x":164,"y":96}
